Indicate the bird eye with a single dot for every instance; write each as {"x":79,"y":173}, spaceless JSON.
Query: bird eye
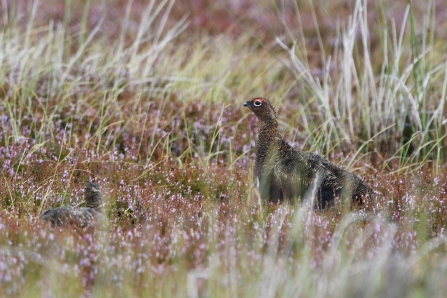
{"x":257,"y":103}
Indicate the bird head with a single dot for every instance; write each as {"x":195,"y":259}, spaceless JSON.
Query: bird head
{"x":92,"y":195}
{"x":262,"y":108}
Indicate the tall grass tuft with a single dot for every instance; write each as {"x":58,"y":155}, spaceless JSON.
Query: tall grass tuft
{"x":392,"y":103}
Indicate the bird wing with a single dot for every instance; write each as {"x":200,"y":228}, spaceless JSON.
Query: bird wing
{"x":341,"y":180}
{"x":303,"y":169}
{"x":67,"y":215}
{"x":57,"y":216}
{"x":332,"y":176}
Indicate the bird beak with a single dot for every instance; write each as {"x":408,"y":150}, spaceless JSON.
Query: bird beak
{"x":246,"y":104}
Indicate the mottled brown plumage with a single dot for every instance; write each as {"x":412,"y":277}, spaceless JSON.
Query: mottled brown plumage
{"x":283,"y":172}
{"x":80,"y":217}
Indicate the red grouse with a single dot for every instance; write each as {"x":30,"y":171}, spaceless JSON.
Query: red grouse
{"x":82,"y":217}
{"x":283,"y":172}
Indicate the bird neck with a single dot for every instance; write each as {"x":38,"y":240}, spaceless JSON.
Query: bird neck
{"x":269,"y":140}
{"x":269,"y":130}
{"x":95,"y":203}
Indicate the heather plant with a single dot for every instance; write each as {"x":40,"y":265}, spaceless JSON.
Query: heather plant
{"x":145,"y":99}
